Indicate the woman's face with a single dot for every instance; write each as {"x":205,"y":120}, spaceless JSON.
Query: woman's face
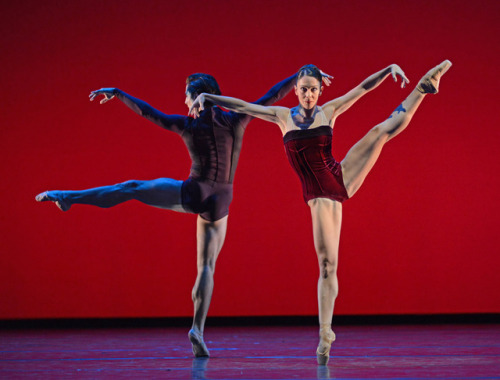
{"x":308,"y":90}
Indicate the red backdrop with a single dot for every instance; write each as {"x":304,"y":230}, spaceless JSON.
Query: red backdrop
{"x":421,"y":236}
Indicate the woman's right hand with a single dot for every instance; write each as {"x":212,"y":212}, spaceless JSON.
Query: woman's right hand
{"x":397,"y":71}
{"x":197,"y":106}
{"x":108,"y":92}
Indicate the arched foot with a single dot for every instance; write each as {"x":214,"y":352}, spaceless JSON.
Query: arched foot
{"x":55,"y":197}
{"x":327,"y":337}
{"x":429,"y":84}
{"x":199,"y":347}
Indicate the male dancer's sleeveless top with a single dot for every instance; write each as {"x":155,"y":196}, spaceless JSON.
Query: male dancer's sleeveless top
{"x":309,"y":152}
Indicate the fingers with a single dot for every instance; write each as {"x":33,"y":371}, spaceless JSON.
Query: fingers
{"x":396,"y":70}
{"x":325,"y":74}
{"x":326,"y":78}
{"x":193,"y":111}
{"x":326,"y":81}
{"x":106,"y":98}
{"x":394,"y":76}
{"x":404,"y":79}
{"x":107,"y":95}
{"x":197,"y":106}
{"x":107,"y":92}
{"x":93,"y":94}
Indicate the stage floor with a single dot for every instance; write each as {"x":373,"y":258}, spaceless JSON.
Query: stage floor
{"x":383,"y":352}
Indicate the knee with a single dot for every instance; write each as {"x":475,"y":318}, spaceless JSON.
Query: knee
{"x":131,"y":185}
{"x":381,"y":132}
{"x":327,"y":267}
{"x":207,"y":267}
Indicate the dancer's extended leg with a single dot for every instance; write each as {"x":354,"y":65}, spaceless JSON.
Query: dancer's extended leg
{"x":161,"y":192}
{"x":363,"y":155}
{"x":326,"y":220}
{"x":210,"y":238}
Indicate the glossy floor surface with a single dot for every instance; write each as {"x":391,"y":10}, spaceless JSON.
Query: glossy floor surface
{"x":360,"y":352}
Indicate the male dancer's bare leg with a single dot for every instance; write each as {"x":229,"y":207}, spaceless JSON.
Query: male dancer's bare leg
{"x":363,"y":155}
{"x":326,"y":220}
{"x":210,"y":238}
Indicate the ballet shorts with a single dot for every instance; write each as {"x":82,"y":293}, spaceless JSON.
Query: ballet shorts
{"x":209,"y":199}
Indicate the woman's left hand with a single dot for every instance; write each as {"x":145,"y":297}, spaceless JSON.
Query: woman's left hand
{"x":395,"y":71}
{"x":197,"y":106}
{"x":326,"y":78}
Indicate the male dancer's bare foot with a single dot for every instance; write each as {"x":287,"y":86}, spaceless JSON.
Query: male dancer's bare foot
{"x":326,"y":338}
{"x":429,"y":84}
{"x":199,"y":347}
{"x":55,"y":197}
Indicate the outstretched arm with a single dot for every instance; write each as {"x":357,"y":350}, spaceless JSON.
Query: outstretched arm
{"x":278,"y":91}
{"x":173,"y":123}
{"x":273,"y":114}
{"x":337,"y":106}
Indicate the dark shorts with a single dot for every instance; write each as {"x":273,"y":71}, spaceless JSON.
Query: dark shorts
{"x":209,"y":199}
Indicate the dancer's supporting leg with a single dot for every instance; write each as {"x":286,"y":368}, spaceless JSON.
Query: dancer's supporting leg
{"x":362,"y":156}
{"x":161,"y":192}
{"x":326,"y":220}
{"x":210,"y":238}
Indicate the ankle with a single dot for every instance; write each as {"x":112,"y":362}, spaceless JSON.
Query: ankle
{"x":196,"y":331}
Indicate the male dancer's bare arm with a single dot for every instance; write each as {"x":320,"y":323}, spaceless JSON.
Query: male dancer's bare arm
{"x":339,"y":105}
{"x":174,"y":123}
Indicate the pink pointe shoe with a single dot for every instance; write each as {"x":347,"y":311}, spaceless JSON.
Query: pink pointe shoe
{"x":429,"y":84}
{"x":327,"y":337}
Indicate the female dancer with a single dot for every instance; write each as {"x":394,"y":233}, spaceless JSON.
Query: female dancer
{"x":214,"y":142}
{"x":307,"y":131}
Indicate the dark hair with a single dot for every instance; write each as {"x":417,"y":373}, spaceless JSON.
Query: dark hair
{"x":310,"y":71}
{"x":207,"y":84}
{"x":197,"y":87}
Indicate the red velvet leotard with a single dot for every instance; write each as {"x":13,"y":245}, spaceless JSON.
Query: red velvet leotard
{"x":309,"y":151}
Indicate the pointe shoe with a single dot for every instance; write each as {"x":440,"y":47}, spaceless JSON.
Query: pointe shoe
{"x":429,"y":84}
{"x":199,"y":347}
{"x":47,"y":196}
{"x":325,"y":343}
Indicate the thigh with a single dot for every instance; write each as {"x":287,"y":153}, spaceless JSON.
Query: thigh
{"x":162,"y":193}
{"x":361,"y":157}
{"x":326,"y":217}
